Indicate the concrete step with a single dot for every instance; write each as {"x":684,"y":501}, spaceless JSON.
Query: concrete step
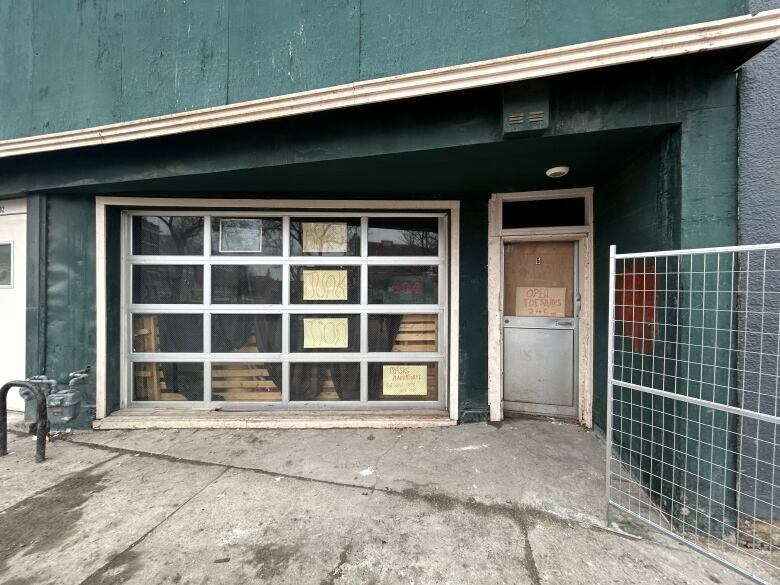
{"x":159,"y":418}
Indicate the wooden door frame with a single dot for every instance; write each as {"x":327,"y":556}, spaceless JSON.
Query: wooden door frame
{"x":497,"y":237}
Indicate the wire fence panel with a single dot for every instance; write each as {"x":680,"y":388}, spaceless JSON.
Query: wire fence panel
{"x":693,"y":403}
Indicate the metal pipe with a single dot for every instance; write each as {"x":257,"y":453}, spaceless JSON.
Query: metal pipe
{"x":42,"y":423}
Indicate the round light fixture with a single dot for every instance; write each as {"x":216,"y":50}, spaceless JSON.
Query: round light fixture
{"x":557,"y":172}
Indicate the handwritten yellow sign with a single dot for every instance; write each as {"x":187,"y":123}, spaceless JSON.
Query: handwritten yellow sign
{"x":324,"y":285}
{"x":326,"y":333}
{"x":540,"y":301}
{"x":321,"y":238}
{"x":404,"y":380}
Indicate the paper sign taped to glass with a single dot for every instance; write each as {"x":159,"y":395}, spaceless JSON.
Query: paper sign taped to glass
{"x":323,"y":238}
{"x":540,"y":301}
{"x":241,"y":235}
{"x":324,"y":285}
{"x":326,"y":333}
{"x":404,"y":380}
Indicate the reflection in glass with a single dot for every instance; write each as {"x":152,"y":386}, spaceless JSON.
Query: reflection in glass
{"x":236,"y":284}
{"x":6,"y":264}
{"x":390,"y":236}
{"x":167,"y":284}
{"x":408,"y":332}
{"x":325,"y":237}
{"x":403,"y":381}
{"x":325,"y":284}
{"x":389,"y":285}
{"x":246,"y":236}
{"x":543,"y":213}
{"x":246,"y":333}
{"x":245,"y":381}
{"x":167,"y":381}
{"x":325,"y":381}
{"x":169,"y":236}
{"x":171,"y":333}
{"x":324,"y":333}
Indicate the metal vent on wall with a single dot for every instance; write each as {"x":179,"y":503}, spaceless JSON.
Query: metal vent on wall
{"x":526,"y":108}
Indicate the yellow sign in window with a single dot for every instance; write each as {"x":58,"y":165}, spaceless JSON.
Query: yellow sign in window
{"x":323,"y":238}
{"x":404,"y":380}
{"x":326,"y":333}
{"x":324,"y":285}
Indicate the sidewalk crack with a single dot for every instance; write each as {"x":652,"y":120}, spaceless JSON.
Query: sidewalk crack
{"x":530,"y":562}
{"x":382,"y":456}
{"x":95,"y":577}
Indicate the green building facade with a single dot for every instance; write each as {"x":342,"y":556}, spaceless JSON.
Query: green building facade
{"x":648,"y":131}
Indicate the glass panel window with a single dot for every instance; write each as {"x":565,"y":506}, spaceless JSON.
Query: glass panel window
{"x":246,"y":381}
{"x":167,"y":381}
{"x":403,"y":381}
{"x":246,"y":236}
{"x":325,"y":237}
{"x":324,"y":381}
{"x":399,"y":285}
{"x":169,"y":236}
{"x":403,"y":332}
{"x":168,"y":333}
{"x":256,"y":284}
{"x":324,"y":284}
{"x":280,"y":309}
{"x":393,"y":236}
{"x":241,"y":333}
{"x":167,"y":284}
{"x":6,"y":264}
{"x":324,"y":333}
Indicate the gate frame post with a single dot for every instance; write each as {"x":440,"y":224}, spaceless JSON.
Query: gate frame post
{"x":610,"y":370}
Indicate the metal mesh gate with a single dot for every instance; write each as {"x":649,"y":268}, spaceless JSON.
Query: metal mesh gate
{"x":693,"y":403}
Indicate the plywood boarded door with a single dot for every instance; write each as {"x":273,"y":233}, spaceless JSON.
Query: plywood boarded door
{"x":540,"y":327}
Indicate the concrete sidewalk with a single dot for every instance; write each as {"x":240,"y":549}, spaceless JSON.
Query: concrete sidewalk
{"x":521,"y":502}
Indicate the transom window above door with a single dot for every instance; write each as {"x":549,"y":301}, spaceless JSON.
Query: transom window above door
{"x":293,"y":310}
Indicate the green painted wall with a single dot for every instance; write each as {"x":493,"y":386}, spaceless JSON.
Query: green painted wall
{"x":637,"y":210}
{"x":684,"y":453}
{"x":473,"y":308}
{"x":657,"y":140}
{"x":77,"y":63}
{"x":61,"y":294}
{"x":697,"y":93}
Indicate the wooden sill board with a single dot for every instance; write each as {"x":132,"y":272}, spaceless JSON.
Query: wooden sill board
{"x":160,"y":418}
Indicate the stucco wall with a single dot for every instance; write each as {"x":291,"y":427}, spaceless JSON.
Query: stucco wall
{"x":759,"y":137}
{"x":759,"y":223}
{"x":74,"y":63}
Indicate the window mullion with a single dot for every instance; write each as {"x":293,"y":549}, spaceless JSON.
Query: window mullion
{"x":285,"y":310}
{"x":363,"y":380}
{"x":286,"y":236}
{"x":206,"y":313}
{"x":363,"y":309}
{"x":363,"y":237}
{"x":286,"y":381}
{"x":207,"y":236}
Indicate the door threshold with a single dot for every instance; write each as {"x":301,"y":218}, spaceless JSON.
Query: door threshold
{"x":567,"y":418}
{"x":160,"y":418}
